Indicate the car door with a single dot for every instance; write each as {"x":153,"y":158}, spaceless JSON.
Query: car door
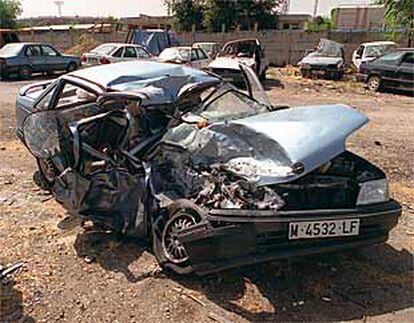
{"x":405,"y":71}
{"x":35,"y":59}
{"x":199,"y":58}
{"x":118,"y":55}
{"x":130,"y":54}
{"x":54,"y":61}
{"x":357,"y":56}
{"x":253,"y":85}
{"x":142,"y":53}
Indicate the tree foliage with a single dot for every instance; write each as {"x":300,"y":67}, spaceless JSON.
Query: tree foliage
{"x":399,"y":12}
{"x":213,"y":14}
{"x":186,"y":13}
{"x":9,"y":10}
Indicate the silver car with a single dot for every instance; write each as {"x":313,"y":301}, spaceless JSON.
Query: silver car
{"x":113,"y":53}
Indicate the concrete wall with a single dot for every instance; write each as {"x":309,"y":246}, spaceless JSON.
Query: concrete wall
{"x":63,"y":40}
{"x":282,"y":46}
{"x":288,"y":47}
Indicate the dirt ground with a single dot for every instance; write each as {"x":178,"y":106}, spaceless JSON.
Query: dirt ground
{"x":74,"y":275}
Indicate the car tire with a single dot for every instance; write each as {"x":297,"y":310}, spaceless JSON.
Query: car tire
{"x":25,"y":72}
{"x":71,"y":67}
{"x":45,"y":177}
{"x":374,"y":83}
{"x":170,"y":254}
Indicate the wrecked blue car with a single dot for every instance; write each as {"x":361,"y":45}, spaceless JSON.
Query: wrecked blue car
{"x":215,"y":177}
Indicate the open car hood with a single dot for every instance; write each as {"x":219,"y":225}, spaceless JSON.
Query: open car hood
{"x":279,"y":146}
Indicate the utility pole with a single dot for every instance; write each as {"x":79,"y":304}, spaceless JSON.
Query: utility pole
{"x":315,"y":8}
{"x":59,"y":4}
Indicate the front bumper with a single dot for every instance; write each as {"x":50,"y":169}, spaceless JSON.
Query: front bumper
{"x":230,"y":238}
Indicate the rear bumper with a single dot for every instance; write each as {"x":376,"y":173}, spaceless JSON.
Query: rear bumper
{"x":230,"y":238}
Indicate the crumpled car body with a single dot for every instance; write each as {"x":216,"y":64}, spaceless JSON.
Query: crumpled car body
{"x":214,"y":176}
{"x":327,"y":60}
{"x":248,"y":52}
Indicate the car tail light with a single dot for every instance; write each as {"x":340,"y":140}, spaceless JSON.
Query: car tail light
{"x":104,"y":60}
{"x":83,"y":58}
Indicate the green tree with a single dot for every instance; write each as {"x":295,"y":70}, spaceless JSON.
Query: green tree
{"x":186,"y":13}
{"x":399,"y":12}
{"x":9,"y":10}
{"x":262,"y":12}
{"x":218,"y":13}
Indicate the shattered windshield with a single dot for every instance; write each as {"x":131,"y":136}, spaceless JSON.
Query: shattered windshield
{"x":329,"y":48}
{"x":239,"y":49}
{"x":227,"y":104}
{"x":170,"y":54}
{"x":377,"y":50}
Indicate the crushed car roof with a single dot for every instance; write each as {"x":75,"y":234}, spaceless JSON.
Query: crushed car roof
{"x":121,"y":76}
{"x":156,"y":83}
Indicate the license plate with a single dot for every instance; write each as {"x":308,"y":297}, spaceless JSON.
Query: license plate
{"x":323,"y":229}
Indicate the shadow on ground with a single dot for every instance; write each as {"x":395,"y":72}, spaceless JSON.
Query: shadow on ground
{"x":11,"y":304}
{"x":111,"y":251}
{"x":333,"y":287}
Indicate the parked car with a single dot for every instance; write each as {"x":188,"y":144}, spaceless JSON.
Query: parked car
{"x":211,"y":49}
{"x":216,"y":177}
{"x":326,"y":60}
{"x":24,"y":59}
{"x":113,"y":53}
{"x":248,"y":52}
{"x":187,"y":55}
{"x":392,"y":70}
{"x":368,"y":52}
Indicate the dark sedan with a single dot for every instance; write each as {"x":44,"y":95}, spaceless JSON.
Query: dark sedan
{"x":393,"y":70}
{"x":24,"y":59}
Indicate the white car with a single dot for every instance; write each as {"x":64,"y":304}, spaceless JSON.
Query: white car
{"x":211,"y":49}
{"x":368,"y":52}
{"x":113,"y":53}
{"x":187,"y":55}
{"x":248,"y":52}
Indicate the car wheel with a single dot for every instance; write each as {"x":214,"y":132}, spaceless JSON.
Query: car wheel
{"x":46,"y":175}
{"x":25,"y":72}
{"x":169,"y":252}
{"x":374,"y":83}
{"x":71,"y":67}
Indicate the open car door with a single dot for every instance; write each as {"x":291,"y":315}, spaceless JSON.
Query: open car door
{"x":253,"y":85}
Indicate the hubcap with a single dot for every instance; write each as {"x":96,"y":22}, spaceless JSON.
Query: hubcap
{"x":374,"y":83}
{"x":173,"y":248}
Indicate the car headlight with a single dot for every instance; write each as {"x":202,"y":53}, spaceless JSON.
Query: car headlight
{"x":304,"y":65}
{"x":375,"y":191}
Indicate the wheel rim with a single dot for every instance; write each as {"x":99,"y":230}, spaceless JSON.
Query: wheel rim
{"x":374,"y":83}
{"x":25,"y":72}
{"x":71,"y":67}
{"x":48,"y":169}
{"x":173,"y":249}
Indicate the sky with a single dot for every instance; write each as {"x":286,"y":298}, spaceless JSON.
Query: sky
{"x":125,"y":8}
